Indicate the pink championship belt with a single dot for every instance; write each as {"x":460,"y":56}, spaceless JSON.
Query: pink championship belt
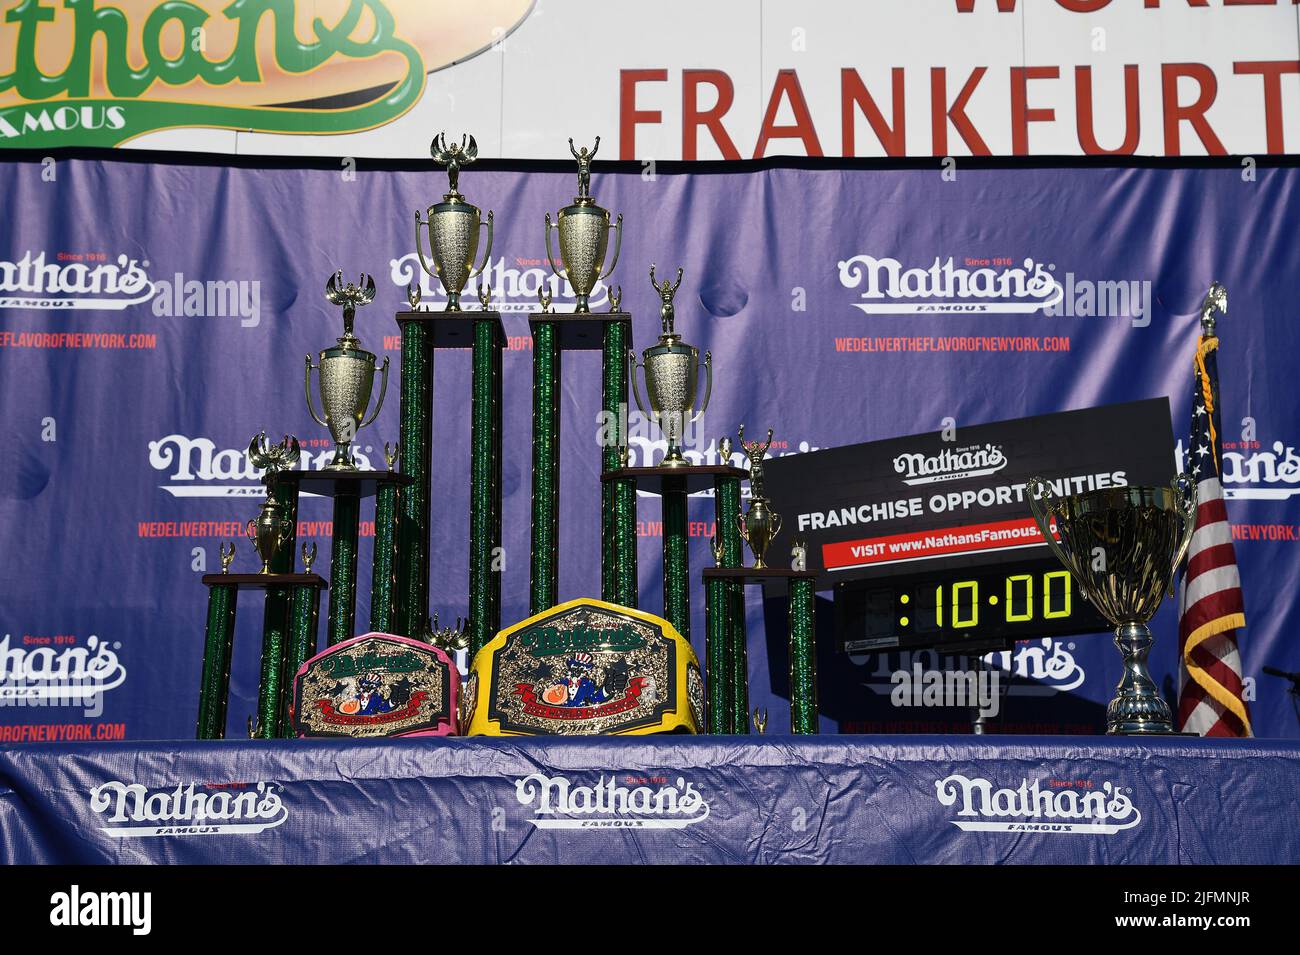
{"x":374,"y":685}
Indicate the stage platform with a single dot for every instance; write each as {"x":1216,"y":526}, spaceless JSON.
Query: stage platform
{"x":674,"y":800}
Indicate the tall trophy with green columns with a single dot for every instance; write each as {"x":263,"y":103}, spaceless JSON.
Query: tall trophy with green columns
{"x":453,"y":228}
{"x":583,"y":228}
{"x":290,"y":612}
{"x":724,"y":613}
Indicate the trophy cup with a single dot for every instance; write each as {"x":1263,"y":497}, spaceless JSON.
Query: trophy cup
{"x":1122,"y":545}
{"x":268,"y":532}
{"x":273,"y":526}
{"x":671,"y":371}
{"x":347,"y":374}
{"x":760,"y":523}
{"x":584,"y":234}
{"x":453,"y":224}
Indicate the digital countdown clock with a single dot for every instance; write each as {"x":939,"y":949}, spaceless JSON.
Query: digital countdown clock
{"x":979,"y":608}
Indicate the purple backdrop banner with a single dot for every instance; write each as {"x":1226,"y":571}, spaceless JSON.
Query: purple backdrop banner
{"x":154,"y":317}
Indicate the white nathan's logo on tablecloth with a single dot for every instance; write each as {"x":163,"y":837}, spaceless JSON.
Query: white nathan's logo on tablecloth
{"x":1065,"y":806}
{"x":133,"y":811}
{"x":652,"y":803}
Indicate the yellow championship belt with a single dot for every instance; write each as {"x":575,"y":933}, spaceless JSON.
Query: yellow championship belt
{"x":585,"y":668}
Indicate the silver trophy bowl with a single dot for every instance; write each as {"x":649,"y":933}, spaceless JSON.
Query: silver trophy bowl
{"x":1123,"y":546}
{"x":347,"y":375}
{"x":671,"y":370}
{"x":584,"y":240}
{"x":453,"y":229}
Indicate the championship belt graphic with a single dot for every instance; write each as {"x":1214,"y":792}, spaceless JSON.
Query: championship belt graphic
{"x":375,"y":685}
{"x":585,"y":668}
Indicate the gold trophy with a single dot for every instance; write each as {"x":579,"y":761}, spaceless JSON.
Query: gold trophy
{"x":760,"y":524}
{"x":584,"y":234}
{"x":347,"y":374}
{"x":671,"y":369}
{"x":268,"y":532}
{"x":1123,"y":546}
{"x":453,"y":224}
{"x":271,"y":528}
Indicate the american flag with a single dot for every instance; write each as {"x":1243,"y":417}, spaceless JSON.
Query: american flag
{"x":1210,"y":609}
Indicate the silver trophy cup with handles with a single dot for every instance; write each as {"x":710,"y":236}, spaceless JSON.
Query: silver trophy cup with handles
{"x":1123,"y":546}
{"x":671,"y":369}
{"x":347,"y":375}
{"x":584,"y":229}
{"x":453,"y":225}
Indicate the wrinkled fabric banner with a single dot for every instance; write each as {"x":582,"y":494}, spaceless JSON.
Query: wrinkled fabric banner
{"x":154,"y":317}
{"x":907,"y":800}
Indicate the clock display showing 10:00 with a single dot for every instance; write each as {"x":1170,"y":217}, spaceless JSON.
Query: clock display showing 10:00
{"x":985,"y":602}
{"x":1013,"y":601}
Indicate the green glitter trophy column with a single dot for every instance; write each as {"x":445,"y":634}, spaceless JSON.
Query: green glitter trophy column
{"x":583,"y":229}
{"x":726,"y":508}
{"x":803,"y":649}
{"x":485,"y":557}
{"x":415,"y":449}
{"x":285,"y":500}
{"x":383,"y":574}
{"x":218,"y":647}
{"x":544,"y":539}
{"x":300,"y":646}
{"x":717,"y":632}
{"x":618,"y":582}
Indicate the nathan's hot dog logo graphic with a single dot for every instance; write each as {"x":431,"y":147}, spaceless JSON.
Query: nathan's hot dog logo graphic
{"x":90,"y":73}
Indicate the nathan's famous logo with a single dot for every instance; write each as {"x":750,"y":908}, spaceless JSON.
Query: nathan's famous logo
{"x":98,"y":280}
{"x":992,"y":286}
{"x":73,"y":280}
{"x":559,"y":804}
{"x":1068,"y":806}
{"x":945,"y":287}
{"x":1255,"y":470}
{"x":1041,"y":667}
{"x":74,"y":675}
{"x":197,"y":467}
{"x":514,"y":286}
{"x":100,"y":73}
{"x":133,"y":811}
{"x":950,"y":464}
